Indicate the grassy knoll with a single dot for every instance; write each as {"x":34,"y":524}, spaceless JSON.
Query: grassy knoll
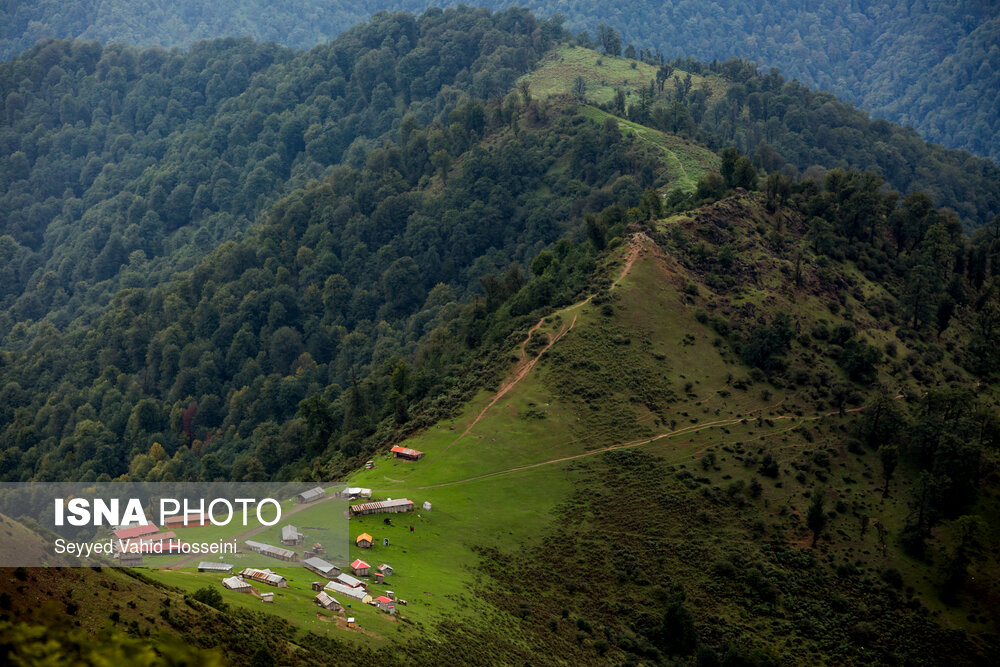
{"x":603,"y":75}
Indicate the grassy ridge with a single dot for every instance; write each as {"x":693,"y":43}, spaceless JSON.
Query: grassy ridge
{"x":603,"y":75}
{"x":642,"y":372}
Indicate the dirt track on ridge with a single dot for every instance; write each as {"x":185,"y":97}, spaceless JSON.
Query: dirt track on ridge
{"x":637,"y":245}
{"x":525,"y":364}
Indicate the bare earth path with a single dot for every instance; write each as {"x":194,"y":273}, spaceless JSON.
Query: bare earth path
{"x":637,"y":245}
{"x":626,"y":445}
{"x":524,"y":364}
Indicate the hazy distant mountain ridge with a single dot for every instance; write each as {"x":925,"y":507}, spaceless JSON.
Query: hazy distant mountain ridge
{"x":931,"y":66}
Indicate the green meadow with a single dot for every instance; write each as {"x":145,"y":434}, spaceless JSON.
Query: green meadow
{"x":637,"y":370}
{"x":603,"y":75}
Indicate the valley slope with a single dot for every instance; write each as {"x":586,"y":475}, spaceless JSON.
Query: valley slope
{"x":679,"y":403}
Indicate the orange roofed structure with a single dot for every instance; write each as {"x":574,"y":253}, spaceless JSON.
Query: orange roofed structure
{"x":406,"y":453}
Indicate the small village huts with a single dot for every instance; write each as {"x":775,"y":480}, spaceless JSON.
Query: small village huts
{"x":309,"y":496}
{"x":290,"y":536}
{"x":136,"y":531}
{"x":385,"y":604}
{"x":264,"y":577}
{"x":237,"y":584}
{"x":211,"y":566}
{"x":185,"y":521}
{"x":348,"y":580}
{"x":360,"y":568}
{"x":383,"y":507}
{"x":324,"y":599}
{"x":272,"y":551}
{"x":406,"y":453}
{"x":322,"y":567}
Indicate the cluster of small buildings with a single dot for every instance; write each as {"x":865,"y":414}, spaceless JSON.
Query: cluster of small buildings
{"x":351,"y":587}
{"x":339,"y":583}
{"x":348,"y":585}
{"x":241,"y":582}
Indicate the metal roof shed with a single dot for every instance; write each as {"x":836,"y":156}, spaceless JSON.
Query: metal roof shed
{"x":311,"y":495}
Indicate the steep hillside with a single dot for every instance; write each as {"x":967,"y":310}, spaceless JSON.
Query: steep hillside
{"x":121,"y":167}
{"x":632,"y":463}
{"x":202,"y":372}
{"x":640,"y":483}
{"x":204,"y":376}
{"x":84,"y":616}
{"x":675,"y":405}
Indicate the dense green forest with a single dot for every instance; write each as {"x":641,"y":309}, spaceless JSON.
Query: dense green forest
{"x":186,"y":266}
{"x":123,"y":161}
{"x":344,"y":273}
{"x":298,"y":23}
{"x":123,"y":166}
{"x":784,"y":126}
{"x":930,"y":66}
{"x":249,"y":263}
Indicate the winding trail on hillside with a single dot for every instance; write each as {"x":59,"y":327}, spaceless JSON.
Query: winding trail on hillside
{"x":525,"y":364}
{"x":629,"y":445}
{"x":523,"y":367}
{"x":638,"y":243}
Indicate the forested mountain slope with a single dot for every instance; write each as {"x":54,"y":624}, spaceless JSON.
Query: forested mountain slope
{"x":340,"y":279}
{"x":749,"y":420}
{"x":122,"y":166}
{"x":676,"y":406}
{"x":934,"y":66}
{"x":297,"y":23}
{"x":162,"y":298}
{"x":738,"y":449}
{"x":780,"y":124}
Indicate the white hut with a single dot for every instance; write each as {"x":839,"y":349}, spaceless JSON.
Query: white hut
{"x":237,"y":584}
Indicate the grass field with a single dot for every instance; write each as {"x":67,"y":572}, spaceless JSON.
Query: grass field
{"x":603,"y":75}
{"x":295,"y":604}
{"x":521,"y":480}
{"x":686,"y":162}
